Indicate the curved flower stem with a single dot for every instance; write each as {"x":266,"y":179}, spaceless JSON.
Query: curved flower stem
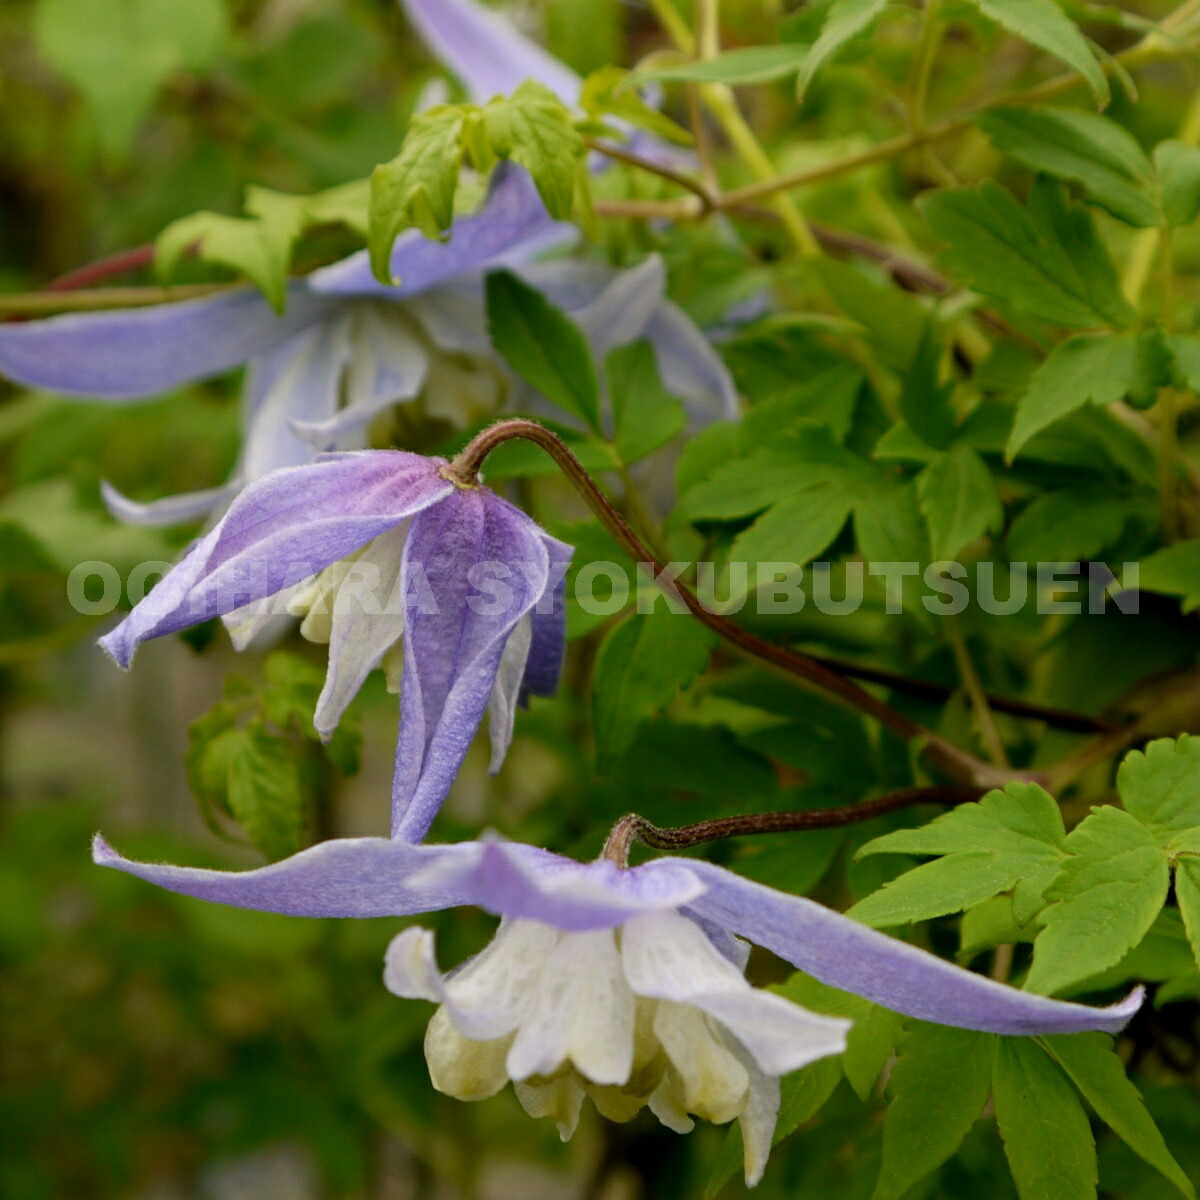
{"x":956,"y":762}
{"x":634,"y":828}
{"x":133,"y":259}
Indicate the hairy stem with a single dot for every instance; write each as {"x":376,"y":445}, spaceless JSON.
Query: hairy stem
{"x":633,"y":828}
{"x":956,"y":762}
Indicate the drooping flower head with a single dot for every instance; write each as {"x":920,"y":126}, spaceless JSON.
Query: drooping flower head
{"x":388,"y":544}
{"x":622,"y":984}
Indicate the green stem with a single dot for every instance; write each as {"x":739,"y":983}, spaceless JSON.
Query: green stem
{"x":931,"y":34}
{"x":45,"y":304}
{"x":1168,"y":438}
{"x":977,"y":696}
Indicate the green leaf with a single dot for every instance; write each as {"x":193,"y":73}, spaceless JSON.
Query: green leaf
{"x":1187,"y":893}
{"x":939,"y":1085}
{"x":845,"y":19}
{"x":889,"y":526}
{"x":118,"y":52}
{"x":1043,"y":24}
{"x":1172,"y":571}
{"x":1161,"y":785}
{"x":1075,"y":524}
{"x":1098,"y":1072}
{"x":265,"y":792}
{"x":796,"y":529}
{"x":605,"y":93}
{"x":749,"y":64}
{"x":1081,"y":370}
{"x":534,"y":128}
{"x":1046,"y":1133}
{"x":1010,"y":839}
{"x":959,"y":499}
{"x":645,"y":415}
{"x":803,"y":1094}
{"x":1093,"y":150}
{"x":1045,"y":259}
{"x":896,"y":321}
{"x":1178,"y":166}
{"x":640,"y":667}
{"x":924,"y":401}
{"x":1110,"y":890}
{"x":543,"y":345}
{"x":418,"y":186}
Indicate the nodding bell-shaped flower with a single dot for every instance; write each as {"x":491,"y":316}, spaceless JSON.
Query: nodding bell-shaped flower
{"x":375,"y":546}
{"x":648,"y":1014}
{"x":622,"y":984}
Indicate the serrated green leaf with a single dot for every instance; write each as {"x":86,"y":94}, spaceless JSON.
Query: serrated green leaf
{"x":796,"y":529}
{"x":1187,"y":893}
{"x":640,"y":667}
{"x":889,"y":526}
{"x":1047,"y":1137}
{"x":1161,"y":785}
{"x":939,"y":1086}
{"x":265,"y":792}
{"x":1045,"y":259}
{"x":605,"y":93}
{"x":543,"y":345}
{"x":803,"y":1094}
{"x":1107,"y":896}
{"x":1010,"y":839}
{"x":959,"y":499}
{"x":1178,"y":166}
{"x":645,"y":415}
{"x":844,"y":20}
{"x":1098,"y":1072}
{"x":1075,"y":524}
{"x":118,"y":52}
{"x":534,"y":128}
{"x":1081,"y":370}
{"x":417,"y":187}
{"x":1091,"y":149}
{"x":924,"y":400}
{"x":1043,"y":24}
{"x":746,"y":65}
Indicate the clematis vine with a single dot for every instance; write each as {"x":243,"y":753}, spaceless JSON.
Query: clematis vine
{"x":386,"y":543}
{"x":349,"y":348}
{"x":622,"y":984}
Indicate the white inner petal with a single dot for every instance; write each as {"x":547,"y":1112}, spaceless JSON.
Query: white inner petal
{"x":502,"y":705}
{"x":461,"y":1067}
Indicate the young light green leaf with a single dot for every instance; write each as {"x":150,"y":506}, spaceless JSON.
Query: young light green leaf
{"x":641,"y":666}
{"x":1161,"y":785}
{"x":1010,"y":839}
{"x":645,"y":415}
{"x":118,"y":52}
{"x":543,"y":345}
{"x":1187,"y":893}
{"x":1171,"y":571}
{"x":266,"y":794}
{"x":1043,"y":24}
{"x":418,"y":186}
{"x":1098,"y":1072}
{"x":534,"y":128}
{"x":1081,"y":370}
{"x":746,"y":65}
{"x":959,"y":499}
{"x":939,"y":1086}
{"x":604,"y":94}
{"x":1045,"y":259}
{"x":1091,"y":149}
{"x":1108,"y":894}
{"x":844,"y":20}
{"x":803,"y":1094}
{"x":1178,"y":166}
{"x":1047,"y":1137}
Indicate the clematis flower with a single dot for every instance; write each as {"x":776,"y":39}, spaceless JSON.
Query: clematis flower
{"x":390,"y":546}
{"x":622,"y":984}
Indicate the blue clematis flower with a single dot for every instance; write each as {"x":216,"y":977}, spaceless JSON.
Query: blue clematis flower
{"x":622,"y":984}
{"x":349,"y":347}
{"x":391,"y":547}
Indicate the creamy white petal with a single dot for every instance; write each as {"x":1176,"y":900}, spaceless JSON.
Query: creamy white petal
{"x":668,"y":956}
{"x":583,"y":1012}
{"x":502,"y":705}
{"x":668,"y":1108}
{"x":263,"y":622}
{"x":758,"y":1117}
{"x":707,"y":1078}
{"x":461,"y":1067}
{"x":560,"y":1098}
